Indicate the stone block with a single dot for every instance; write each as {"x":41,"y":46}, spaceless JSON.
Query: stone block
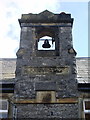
{"x":45,"y":86}
{"x":45,"y":97}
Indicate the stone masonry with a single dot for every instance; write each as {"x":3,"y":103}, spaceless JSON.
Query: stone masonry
{"x":45,"y":83}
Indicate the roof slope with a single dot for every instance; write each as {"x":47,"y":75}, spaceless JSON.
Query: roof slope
{"x":7,"y":68}
{"x":83,"y":70}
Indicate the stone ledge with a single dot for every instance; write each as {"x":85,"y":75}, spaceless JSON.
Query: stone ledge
{"x":46,"y":17}
{"x":59,"y":101}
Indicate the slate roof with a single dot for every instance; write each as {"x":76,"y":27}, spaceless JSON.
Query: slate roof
{"x":8,"y":66}
{"x":83,"y":70}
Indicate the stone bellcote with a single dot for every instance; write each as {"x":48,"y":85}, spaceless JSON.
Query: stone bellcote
{"x":45,"y":71}
{"x":36,"y":26}
{"x":45,"y":62}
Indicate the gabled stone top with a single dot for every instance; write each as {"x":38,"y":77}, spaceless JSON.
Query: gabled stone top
{"x":46,"y":17}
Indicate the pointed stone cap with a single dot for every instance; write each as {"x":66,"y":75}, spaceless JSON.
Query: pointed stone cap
{"x":46,"y":17}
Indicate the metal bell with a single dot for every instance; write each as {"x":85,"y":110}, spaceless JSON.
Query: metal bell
{"x":46,"y":44}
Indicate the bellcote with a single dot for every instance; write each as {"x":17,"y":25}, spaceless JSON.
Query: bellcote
{"x":46,"y":58}
{"x":36,"y":27}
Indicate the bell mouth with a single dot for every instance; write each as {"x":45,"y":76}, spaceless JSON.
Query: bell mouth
{"x":46,"y":44}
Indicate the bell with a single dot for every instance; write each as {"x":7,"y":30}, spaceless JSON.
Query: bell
{"x":46,"y":44}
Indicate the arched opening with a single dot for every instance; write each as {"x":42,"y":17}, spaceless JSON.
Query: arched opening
{"x":46,"y":43}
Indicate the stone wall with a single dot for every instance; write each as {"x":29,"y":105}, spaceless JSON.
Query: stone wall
{"x":46,"y":76}
{"x":60,"y":68}
{"x":45,"y":81}
{"x":45,"y":111}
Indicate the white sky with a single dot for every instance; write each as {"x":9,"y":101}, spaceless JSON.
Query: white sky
{"x":10,"y":12}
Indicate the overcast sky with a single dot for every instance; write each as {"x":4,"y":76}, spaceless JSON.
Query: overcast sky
{"x":11,"y":10}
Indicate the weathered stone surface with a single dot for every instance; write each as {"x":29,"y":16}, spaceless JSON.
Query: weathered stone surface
{"x":45,"y":77}
{"x":45,"y":111}
{"x":45,"y":70}
{"x":46,"y":96}
{"x":39,"y":73}
{"x":45,"y":86}
{"x":47,"y":17}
